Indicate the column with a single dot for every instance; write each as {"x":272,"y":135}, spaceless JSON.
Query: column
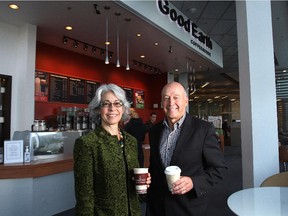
{"x":257,"y":92}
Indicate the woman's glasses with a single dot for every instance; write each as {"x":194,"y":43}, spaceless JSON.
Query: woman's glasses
{"x":107,"y":104}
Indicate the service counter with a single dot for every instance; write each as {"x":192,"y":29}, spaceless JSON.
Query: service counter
{"x":44,"y":186}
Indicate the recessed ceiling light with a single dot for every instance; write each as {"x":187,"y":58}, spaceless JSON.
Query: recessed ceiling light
{"x":107,"y":43}
{"x":14,"y":6}
{"x":142,"y":56}
{"x":69,"y":28}
{"x":138,"y":35}
{"x":156,"y":44}
{"x":193,"y":10}
{"x":284,"y":71}
{"x":176,"y":69}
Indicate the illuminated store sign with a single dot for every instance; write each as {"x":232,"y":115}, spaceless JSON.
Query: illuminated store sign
{"x":187,"y":25}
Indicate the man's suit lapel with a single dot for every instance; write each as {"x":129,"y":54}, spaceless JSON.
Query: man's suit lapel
{"x":157,"y":138}
{"x":187,"y":129}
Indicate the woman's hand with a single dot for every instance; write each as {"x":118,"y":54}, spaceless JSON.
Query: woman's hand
{"x":148,"y":180}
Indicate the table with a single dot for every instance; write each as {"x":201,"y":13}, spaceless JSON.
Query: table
{"x":260,"y":201}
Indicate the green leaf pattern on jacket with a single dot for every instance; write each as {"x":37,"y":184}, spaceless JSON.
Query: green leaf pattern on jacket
{"x":100,"y":175}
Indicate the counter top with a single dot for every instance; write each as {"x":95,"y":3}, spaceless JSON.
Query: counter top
{"x":40,"y":166}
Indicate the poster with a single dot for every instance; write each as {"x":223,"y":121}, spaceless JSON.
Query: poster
{"x":41,"y":86}
{"x":139,"y":99}
{"x":129,"y":96}
{"x":216,"y":120}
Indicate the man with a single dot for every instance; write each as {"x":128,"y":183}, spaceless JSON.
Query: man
{"x":151,"y":121}
{"x":225,"y":128}
{"x":136,"y":128}
{"x":189,"y":143}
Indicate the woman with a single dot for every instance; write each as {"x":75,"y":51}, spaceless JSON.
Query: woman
{"x":104,"y":159}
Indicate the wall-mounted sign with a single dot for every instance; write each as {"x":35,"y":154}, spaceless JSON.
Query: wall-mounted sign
{"x":166,"y":17}
{"x":197,"y":35}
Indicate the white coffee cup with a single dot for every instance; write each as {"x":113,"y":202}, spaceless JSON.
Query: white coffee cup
{"x":140,"y":177}
{"x":172,"y":175}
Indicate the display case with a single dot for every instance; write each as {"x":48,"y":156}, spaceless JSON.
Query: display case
{"x":48,"y":143}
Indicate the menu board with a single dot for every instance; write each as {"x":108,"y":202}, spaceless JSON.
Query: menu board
{"x":69,"y":89}
{"x":58,"y":90}
{"x":91,"y":88}
{"x":76,"y":90}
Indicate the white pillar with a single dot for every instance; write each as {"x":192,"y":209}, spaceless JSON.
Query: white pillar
{"x":257,"y":92}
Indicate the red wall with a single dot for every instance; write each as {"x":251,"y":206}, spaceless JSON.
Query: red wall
{"x":60,"y":61}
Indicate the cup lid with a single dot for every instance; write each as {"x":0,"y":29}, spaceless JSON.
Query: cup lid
{"x":172,"y":170}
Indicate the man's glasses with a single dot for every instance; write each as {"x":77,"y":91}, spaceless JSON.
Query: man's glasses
{"x":107,"y":104}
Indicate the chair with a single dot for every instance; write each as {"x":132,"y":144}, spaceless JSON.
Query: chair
{"x":283,"y":155}
{"x":277,"y":180}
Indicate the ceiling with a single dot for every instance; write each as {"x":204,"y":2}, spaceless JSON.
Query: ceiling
{"x":216,"y":18}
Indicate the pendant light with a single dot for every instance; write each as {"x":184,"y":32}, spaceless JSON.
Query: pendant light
{"x":118,"y":61}
{"x":107,"y":41}
{"x":127,"y":51}
{"x":127,"y":65}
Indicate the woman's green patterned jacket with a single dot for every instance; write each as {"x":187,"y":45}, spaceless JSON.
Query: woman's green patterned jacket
{"x":103,"y":175}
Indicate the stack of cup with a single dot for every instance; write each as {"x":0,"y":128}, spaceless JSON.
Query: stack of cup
{"x":140,"y":177}
{"x":172,"y":175}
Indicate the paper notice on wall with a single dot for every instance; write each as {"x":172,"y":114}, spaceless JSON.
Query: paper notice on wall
{"x":216,"y":121}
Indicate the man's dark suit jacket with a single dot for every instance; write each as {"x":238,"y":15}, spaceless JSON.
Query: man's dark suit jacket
{"x":198,"y":154}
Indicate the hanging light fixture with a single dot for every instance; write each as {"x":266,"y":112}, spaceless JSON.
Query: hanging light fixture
{"x":127,"y":65}
{"x":107,"y":41}
{"x":192,"y":80}
{"x":118,"y":61}
{"x":127,"y":51}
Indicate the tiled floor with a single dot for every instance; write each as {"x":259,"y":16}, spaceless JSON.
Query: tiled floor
{"x":220,"y":193}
